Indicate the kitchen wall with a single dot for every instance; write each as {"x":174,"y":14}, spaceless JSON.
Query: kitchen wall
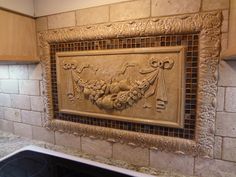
{"x":21,"y":105}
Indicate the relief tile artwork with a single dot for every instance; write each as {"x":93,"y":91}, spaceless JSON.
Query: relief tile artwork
{"x":136,"y":85}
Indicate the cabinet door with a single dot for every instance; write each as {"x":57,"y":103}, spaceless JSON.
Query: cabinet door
{"x":17,"y":37}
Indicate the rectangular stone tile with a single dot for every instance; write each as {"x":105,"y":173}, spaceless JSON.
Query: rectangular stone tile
{"x":173,"y":7}
{"x":12,"y":114}
{"x":218,"y":147}
{"x":20,"y":101}
{"x":37,"y":103}
{"x":5,"y":100}
{"x":230,"y":99}
{"x":226,"y":124}
{"x":43,"y":134}
{"x":227,"y":73}
{"x":134,"y":155}
{"x":35,"y":72}
{"x":214,"y":4}
{"x":9,"y":86}
{"x":225,"y":23}
{"x":214,"y":168}
{"x":18,"y":71}
{"x":61,"y":20}
{"x":229,"y":149}
{"x":224,"y":42}
{"x":68,"y":140}
{"x":41,"y":86}
{"x":220,"y":98}
{"x":96,"y":147}
{"x":130,"y":10}
{"x":6,"y":126}
{"x":1,"y":113}
{"x":4,"y":72}
{"x":29,"y":87}
{"x":41,"y":23}
{"x":172,"y":162}
{"x":31,"y":117}
{"x":23,"y":130}
{"x":96,"y":15}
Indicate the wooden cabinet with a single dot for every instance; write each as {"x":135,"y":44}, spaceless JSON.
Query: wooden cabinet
{"x":17,"y":38}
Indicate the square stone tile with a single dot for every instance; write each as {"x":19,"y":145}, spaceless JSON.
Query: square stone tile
{"x":37,"y":103}
{"x":31,"y":117}
{"x":9,"y":86}
{"x":18,"y":71}
{"x":230,"y":99}
{"x":6,"y":126}
{"x":229,"y":149}
{"x":12,"y":114}
{"x":23,"y":130}
{"x":5,"y":100}
{"x":62,"y":20}
{"x":35,"y":72}
{"x":41,"y":24}
{"x":20,"y":101}
{"x":68,"y":140}
{"x":226,"y":124}
{"x":227,"y":73}
{"x":29,"y":87}
{"x":43,"y":134}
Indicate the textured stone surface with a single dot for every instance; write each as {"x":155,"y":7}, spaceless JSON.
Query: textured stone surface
{"x":41,"y":23}
{"x":29,"y":87}
{"x":6,"y":126}
{"x":225,"y":23}
{"x":23,"y":130}
{"x":61,"y":20}
{"x":220,"y":98}
{"x":134,"y":155}
{"x":9,"y":86}
{"x":130,"y":10}
{"x":36,"y":103}
{"x":214,"y":168}
{"x":226,"y":124}
{"x":68,"y":140}
{"x":4,"y":72}
{"x":35,"y":72}
{"x":171,"y":7}
{"x":215,"y":4}
{"x":5,"y":100}
{"x":42,"y":134}
{"x":12,"y":114}
{"x":96,"y":15}
{"x":229,"y":149}
{"x":174,"y":162}
{"x":227,"y":73}
{"x":18,"y":71}
{"x":96,"y":147}
{"x":224,"y":42}
{"x":218,"y":147}
{"x":31,"y":117}
{"x":230,"y":99}
{"x":20,"y":101}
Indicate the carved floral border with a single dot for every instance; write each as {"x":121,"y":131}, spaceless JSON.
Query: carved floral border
{"x":207,"y":24}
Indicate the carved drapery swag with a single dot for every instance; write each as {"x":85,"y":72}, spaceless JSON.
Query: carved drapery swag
{"x":208,"y":25}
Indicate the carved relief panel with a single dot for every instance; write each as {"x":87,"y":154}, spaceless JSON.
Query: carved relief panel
{"x":144,"y":85}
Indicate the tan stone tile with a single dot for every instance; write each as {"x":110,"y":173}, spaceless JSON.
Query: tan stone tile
{"x":96,"y":15}
{"x":227,"y":73}
{"x":229,"y":149}
{"x":42,"y":134}
{"x":214,"y":168}
{"x":173,"y":7}
{"x":23,"y":130}
{"x":29,"y":87}
{"x":5,"y":100}
{"x":96,"y":147}
{"x":68,"y":140}
{"x":31,"y":117}
{"x":6,"y":126}
{"x":226,"y":124}
{"x":172,"y":162}
{"x":230,"y":99}
{"x":12,"y":114}
{"x":218,"y":147}
{"x":18,"y":71}
{"x":4,"y":72}
{"x":35,"y":72}
{"x":225,"y":23}
{"x":134,"y":155}
{"x":37,"y":103}
{"x":9,"y":86}
{"x":214,"y":4}
{"x":62,"y":20}
{"x":220,"y":98}
{"x":20,"y":101}
{"x":130,"y":10}
{"x":224,"y":42}
{"x":41,"y":23}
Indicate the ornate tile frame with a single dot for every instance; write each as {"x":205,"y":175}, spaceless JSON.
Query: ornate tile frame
{"x":208,"y":24}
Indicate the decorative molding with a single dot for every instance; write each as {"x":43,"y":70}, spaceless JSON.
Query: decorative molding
{"x":207,"y":24}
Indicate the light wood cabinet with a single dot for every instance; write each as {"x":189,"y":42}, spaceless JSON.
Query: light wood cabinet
{"x":17,"y":38}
